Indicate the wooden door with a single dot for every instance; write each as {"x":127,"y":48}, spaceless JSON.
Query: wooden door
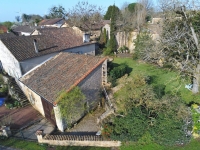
{"x":48,"y":111}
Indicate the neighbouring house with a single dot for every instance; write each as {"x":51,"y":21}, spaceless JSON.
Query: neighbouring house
{"x":63,"y":72}
{"x":25,"y":30}
{"x":93,"y":29}
{"x":22,"y":53}
{"x":56,"y":22}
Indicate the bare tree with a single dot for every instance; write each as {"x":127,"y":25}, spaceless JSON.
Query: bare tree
{"x":180,"y":42}
{"x":136,"y":17}
{"x":84,"y":14}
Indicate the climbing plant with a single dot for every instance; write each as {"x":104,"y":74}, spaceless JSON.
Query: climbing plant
{"x":71,"y":104}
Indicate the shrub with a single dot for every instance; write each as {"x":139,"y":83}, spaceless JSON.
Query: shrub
{"x":159,"y":90}
{"x":117,"y":72}
{"x":123,"y":48}
{"x":107,"y":51}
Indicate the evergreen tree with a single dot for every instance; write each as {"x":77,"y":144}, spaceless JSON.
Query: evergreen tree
{"x":105,"y":37}
{"x":112,"y":43}
{"x":108,"y":14}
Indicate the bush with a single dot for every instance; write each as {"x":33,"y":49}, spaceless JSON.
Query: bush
{"x":11,"y":102}
{"x":117,"y":72}
{"x":107,"y":51}
{"x":159,"y":90}
{"x":123,"y":48}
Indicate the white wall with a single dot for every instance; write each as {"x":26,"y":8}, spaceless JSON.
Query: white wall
{"x":29,"y":64}
{"x":9,"y":62}
{"x":59,"y":121}
{"x":25,"y":33}
{"x":34,"y":99}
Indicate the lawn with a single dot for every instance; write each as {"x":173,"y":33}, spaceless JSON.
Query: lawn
{"x":27,"y":145}
{"x":164,"y":76}
{"x":21,"y":144}
{"x":193,"y":145}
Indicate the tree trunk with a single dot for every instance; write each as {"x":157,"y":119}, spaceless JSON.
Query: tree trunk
{"x":195,"y":88}
{"x":196,"y":80}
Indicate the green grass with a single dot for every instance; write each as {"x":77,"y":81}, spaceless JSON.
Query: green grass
{"x":26,"y":145}
{"x":193,"y":145}
{"x":81,"y":148}
{"x":174,"y":83}
{"x":23,"y":145}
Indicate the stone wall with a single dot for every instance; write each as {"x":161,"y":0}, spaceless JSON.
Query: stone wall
{"x":126,"y":39}
{"x":91,"y":87}
{"x":76,"y":140}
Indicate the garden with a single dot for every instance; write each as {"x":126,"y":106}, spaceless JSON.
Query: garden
{"x":155,"y":109}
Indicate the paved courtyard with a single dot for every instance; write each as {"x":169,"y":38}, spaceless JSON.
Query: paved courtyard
{"x":27,"y":119}
{"x":19,"y":117}
{"x":29,"y":132}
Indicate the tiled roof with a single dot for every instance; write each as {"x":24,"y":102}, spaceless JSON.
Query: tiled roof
{"x":25,"y":28}
{"x":7,"y":35}
{"x":94,"y":26}
{"x":51,"y":40}
{"x":50,"y":21}
{"x":62,"y":72}
{"x":63,"y":37}
{"x":22,"y":47}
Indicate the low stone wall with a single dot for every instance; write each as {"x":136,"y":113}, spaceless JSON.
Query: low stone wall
{"x":76,"y":140}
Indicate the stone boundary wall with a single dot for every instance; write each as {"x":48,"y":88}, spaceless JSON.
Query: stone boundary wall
{"x":76,"y":140}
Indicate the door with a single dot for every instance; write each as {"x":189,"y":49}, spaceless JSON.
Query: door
{"x":48,"y":111}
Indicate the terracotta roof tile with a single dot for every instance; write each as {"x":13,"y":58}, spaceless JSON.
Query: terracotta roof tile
{"x":22,"y":47}
{"x":51,"y":40}
{"x":50,"y":21}
{"x":7,"y":35}
{"x":62,"y":72}
{"x":25,"y":28}
{"x":64,"y":37}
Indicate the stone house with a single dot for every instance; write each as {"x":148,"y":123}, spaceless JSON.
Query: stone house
{"x":22,"y":53}
{"x":56,"y":22}
{"x":94,"y":29}
{"x":24,"y":30}
{"x":63,"y":72}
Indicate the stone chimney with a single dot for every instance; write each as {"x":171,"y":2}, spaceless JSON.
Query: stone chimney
{"x":86,"y":37}
{"x":35,"y":45}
